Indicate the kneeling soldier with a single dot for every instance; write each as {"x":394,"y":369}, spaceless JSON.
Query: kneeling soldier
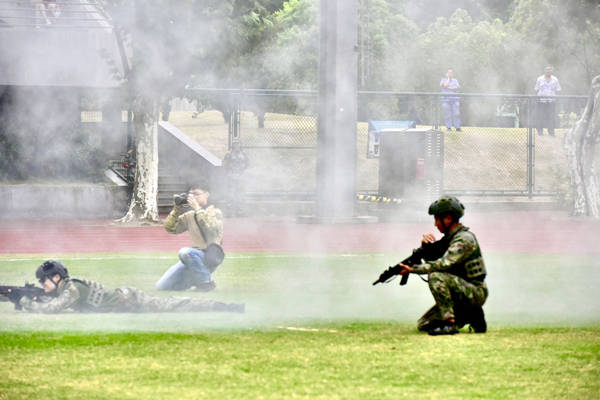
{"x":83,"y":295}
{"x":456,"y":280}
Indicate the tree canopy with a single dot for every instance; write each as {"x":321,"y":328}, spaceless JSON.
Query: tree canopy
{"x":501,"y":46}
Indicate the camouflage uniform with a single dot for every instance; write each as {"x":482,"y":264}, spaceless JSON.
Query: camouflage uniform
{"x":191,"y":269}
{"x":456,"y":280}
{"x":82,"y":295}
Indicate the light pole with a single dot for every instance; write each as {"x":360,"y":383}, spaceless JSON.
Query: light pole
{"x":337,"y":149}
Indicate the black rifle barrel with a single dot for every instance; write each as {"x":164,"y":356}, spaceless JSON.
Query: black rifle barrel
{"x":427,"y":252}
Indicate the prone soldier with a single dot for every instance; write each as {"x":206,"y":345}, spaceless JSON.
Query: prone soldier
{"x":83,"y":295}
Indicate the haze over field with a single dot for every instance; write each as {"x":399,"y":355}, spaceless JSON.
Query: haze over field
{"x":404,"y":46}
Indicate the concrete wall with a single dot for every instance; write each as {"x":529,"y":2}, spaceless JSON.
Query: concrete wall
{"x":61,"y":201}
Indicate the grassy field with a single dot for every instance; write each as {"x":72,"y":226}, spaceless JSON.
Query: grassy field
{"x":339,"y":361}
{"x":314,"y":328}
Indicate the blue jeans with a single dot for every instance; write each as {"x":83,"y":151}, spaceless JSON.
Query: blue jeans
{"x":451,"y":112}
{"x":189,"y":271}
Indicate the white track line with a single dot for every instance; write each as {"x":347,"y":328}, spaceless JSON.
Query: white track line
{"x":294,"y":328}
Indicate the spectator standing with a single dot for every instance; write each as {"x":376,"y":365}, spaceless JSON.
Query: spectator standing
{"x":40,"y":13}
{"x":546,"y":87}
{"x":451,"y":104}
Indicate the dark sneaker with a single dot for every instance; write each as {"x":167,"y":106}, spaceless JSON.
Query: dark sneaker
{"x":446,"y":329}
{"x":477,"y":320}
{"x":448,"y":129}
{"x":430,"y":326}
{"x":206,"y":286}
{"x":458,"y":130}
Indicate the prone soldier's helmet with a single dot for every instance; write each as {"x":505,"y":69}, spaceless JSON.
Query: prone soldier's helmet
{"x":51,"y":268}
{"x":447,"y":205}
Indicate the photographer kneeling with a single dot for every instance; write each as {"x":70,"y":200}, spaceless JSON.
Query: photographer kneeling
{"x":197,"y":263}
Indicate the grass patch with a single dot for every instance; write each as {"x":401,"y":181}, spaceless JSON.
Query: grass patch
{"x":279,"y":289}
{"x":314,"y":328}
{"x":346,"y":361}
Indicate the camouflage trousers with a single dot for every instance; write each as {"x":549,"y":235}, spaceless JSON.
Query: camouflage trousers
{"x":132,"y":299}
{"x":450,"y":293}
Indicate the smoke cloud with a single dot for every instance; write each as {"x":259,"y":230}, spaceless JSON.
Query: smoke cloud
{"x":64,"y":112}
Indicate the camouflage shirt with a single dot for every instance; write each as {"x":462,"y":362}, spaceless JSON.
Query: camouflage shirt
{"x":463,"y":257}
{"x":80,"y":295}
{"x":209,"y":219}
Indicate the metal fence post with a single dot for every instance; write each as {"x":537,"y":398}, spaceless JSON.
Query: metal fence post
{"x":530,"y":149}
{"x":435,"y":112}
{"x":234,"y":120}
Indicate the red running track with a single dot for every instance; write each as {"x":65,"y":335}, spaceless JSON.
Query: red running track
{"x":509,"y":232}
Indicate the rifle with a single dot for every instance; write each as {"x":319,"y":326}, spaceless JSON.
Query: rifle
{"x":14,"y":293}
{"x":427,"y":252}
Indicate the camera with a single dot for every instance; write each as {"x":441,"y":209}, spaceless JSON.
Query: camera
{"x":180,"y":198}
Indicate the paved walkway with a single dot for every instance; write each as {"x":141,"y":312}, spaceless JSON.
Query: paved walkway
{"x":516,"y":232}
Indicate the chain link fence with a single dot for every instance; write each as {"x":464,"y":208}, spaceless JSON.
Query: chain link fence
{"x":59,"y":14}
{"x":497,"y":150}
{"x":278,"y":133}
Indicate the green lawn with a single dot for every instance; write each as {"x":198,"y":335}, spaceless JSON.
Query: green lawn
{"x":339,"y":361}
{"x":314,"y":328}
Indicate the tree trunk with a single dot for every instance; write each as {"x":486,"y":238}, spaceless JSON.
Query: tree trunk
{"x":144,"y":206}
{"x":580,"y":144}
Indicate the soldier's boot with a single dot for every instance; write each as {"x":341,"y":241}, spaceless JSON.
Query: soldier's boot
{"x":477,"y":320}
{"x":447,"y":328}
{"x":430,"y":325}
{"x":229,"y":307}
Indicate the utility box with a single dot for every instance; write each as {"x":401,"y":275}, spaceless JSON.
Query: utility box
{"x":411,"y":163}
{"x":376,"y":128}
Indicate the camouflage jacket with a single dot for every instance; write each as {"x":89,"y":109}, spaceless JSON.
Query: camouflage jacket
{"x":463,"y":257}
{"x":79,"y":295}
{"x":209,"y":219}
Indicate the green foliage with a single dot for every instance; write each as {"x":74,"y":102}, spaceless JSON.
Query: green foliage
{"x":494,"y":46}
{"x":290,"y":57}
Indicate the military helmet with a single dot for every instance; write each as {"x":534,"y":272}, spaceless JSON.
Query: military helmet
{"x":447,"y":205}
{"x":51,"y":268}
